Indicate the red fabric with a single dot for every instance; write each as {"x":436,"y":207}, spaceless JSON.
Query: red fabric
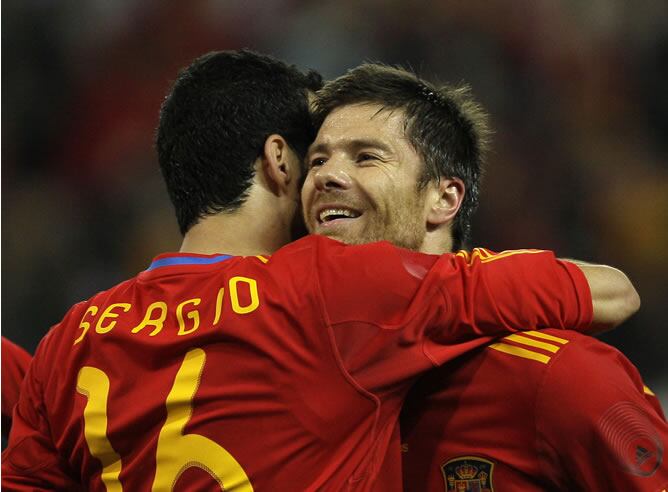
{"x":303,"y":392}
{"x":15,"y":362}
{"x":581,"y":421}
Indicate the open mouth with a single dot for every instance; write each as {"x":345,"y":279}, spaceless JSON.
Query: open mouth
{"x":328,"y":215}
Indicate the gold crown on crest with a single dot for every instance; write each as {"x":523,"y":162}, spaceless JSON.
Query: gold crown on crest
{"x":466,"y":471}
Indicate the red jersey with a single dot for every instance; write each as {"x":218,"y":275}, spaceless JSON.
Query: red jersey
{"x":248,"y":373}
{"x":549,"y":410}
{"x":15,"y":361}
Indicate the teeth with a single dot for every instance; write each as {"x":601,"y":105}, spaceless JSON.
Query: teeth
{"x":333,"y":213}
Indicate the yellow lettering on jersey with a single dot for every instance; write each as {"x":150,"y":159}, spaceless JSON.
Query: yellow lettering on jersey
{"x":178,"y":451}
{"x":94,"y":385}
{"x":192,"y":315}
{"x":234,"y":296}
{"x":148,"y":320}
{"x":109,"y":313}
{"x":219,"y":305}
{"x":85,"y":325}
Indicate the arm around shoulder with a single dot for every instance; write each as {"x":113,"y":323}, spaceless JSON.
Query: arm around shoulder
{"x":614,"y":298}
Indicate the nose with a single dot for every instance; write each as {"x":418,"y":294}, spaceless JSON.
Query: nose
{"x":331,"y":176}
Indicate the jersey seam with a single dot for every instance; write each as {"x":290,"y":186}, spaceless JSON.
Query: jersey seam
{"x":339,"y":360}
{"x":425,"y":349}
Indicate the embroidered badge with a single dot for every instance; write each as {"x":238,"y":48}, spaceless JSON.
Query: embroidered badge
{"x":468,"y":474}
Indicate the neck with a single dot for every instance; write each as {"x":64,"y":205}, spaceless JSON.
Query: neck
{"x":437,"y":243}
{"x":251,"y":230}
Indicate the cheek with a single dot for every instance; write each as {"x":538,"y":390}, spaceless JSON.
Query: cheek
{"x":379,"y":186}
{"x":404,"y":204}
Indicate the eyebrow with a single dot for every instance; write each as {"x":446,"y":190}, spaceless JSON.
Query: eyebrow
{"x":356,"y":144}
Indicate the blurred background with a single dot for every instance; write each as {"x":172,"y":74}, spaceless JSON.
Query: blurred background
{"x":576,"y":90}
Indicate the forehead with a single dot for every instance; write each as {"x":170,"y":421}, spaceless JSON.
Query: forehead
{"x":364,"y":120}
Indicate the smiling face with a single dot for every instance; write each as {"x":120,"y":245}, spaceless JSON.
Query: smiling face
{"x":362,"y":183}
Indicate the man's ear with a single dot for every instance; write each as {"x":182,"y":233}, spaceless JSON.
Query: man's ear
{"x":277,"y":165}
{"x":448,"y":197}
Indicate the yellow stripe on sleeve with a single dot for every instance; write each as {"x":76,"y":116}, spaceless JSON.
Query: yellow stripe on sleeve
{"x":262,"y":259}
{"x":546,"y":336}
{"x":512,"y":252}
{"x":520,"y":352}
{"x":482,"y":253}
{"x":463,"y":254}
{"x":647,"y":391}
{"x":533,"y":343}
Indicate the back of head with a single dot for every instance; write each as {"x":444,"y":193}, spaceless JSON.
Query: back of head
{"x":214,"y":123}
{"x":445,"y":126}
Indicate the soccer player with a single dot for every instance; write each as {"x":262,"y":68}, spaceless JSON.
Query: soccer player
{"x":220,"y":367}
{"x":15,"y":361}
{"x":398,"y":159}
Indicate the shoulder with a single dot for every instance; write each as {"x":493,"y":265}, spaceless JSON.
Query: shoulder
{"x":585,"y":380}
{"x":373,"y":282}
{"x":566,"y":366}
{"x":379,"y":261}
{"x":561,"y":352}
{"x":589,"y":361}
{"x":58,"y":335}
{"x":535,"y":350}
{"x":330,"y":252}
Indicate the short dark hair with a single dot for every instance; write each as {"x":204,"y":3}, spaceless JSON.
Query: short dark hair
{"x":445,"y":126}
{"x":215,"y":121}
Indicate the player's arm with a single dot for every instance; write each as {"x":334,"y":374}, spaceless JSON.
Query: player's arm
{"x":15,"y":362}
{"x":381,"y":300}
{"x":452,"y":297}
{"x":31,"y":461}
{"x":604,"y":295}
{"x":498,"y":293}
{"x":597,"y":428}
{"x":613,"y":296}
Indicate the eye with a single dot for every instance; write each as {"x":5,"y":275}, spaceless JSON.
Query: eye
{"x":317,"y":161}
{"x":366,"y":157}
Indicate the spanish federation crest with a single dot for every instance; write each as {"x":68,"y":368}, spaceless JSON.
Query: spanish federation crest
{"x":468,"y":474}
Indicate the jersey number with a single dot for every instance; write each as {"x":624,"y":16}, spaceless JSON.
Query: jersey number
{"x":176,"y":451}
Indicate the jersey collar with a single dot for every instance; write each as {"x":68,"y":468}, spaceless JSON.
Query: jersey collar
{"x":181,"y":259}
